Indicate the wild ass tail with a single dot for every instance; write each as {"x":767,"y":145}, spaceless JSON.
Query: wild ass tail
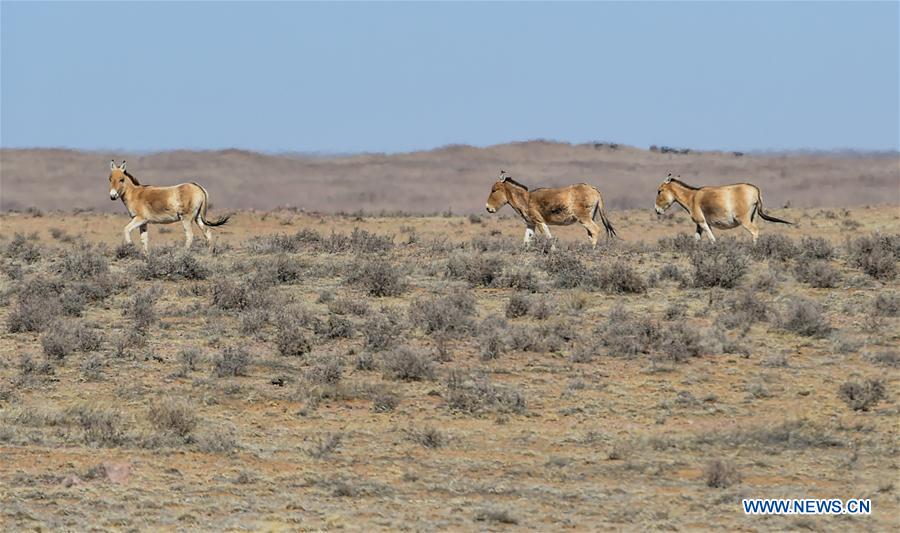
{"x":762,"y":214}
{"x":203,"y":208}
{"x":598,"y":209}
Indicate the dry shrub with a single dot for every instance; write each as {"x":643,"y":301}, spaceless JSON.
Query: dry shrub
{"x":568,"y":272}
{"x":876,"y":255}
{"x":451,"y":314}
{"x":406,"y":364}
{"x":24,"y":248}
{"x":37,"y":306}
{"x":886,"y":304}
{"x":816,"y":248}
{"x":381,"y":330}
{"x":173,"y":417}
{"x":140,"y":309}
{"x":84,"y":261}
{"x":475,"y":394}
{"x":620,"y":277}
{"x":719,"y":264}
{"x":475,"y":268}
{"x":233,"y":361}
{"x":817,"y":273}
{"x":774,"y":246}
{"x":171,"y":263}
{"x":63,"y":337}
{"x":377,"y":277}
{"x":100,"y":425}
{"x":804,"y":316}
{"x":720,"y":474}
{"x":862,"y":396}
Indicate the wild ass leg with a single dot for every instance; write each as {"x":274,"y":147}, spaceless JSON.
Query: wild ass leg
{"x":135,"y":222}
{"x":188,"y":234}
{"x":529,"y":234}
{"x":750,"y":226}
{"x":207,"y":233}
{"x":709,"y":233}
{"x":545,"y":229}
{"x":593,"y":231}
{"x":145,"y":237}
{"x":698,"y":233}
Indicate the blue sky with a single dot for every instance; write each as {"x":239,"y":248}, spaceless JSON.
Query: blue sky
{"x":313,"y":77}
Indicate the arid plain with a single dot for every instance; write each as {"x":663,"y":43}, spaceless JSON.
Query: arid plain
{"x":323,"y":371}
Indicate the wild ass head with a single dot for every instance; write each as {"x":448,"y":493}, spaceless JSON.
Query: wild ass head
{"x":499,"y":197}
{"x":117,"y":177}
{"x":664,"y":195}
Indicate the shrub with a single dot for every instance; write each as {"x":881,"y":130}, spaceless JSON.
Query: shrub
{"x":173,"y":417}
{"x":100,"y":425}
{"x":816,"y":248}
{"x":37,"y":305}
{"x":817,"y":273}
{"x":861,"y":396}
{"x":234,"y":361}
{"x":475,"y":268}
{"x":886,"y":304}
{"x":774,"y":246}
{"x":521,"y":279}
{"x":171,"y":263}
{"x":719,"y":264}
{"x":84,"y":261}
{"x":381,"y":330}
{"x":348,"y":306}
{"x":429,"y":437}
{"x":63,"y":337}
{"x":378,"y":277}
{"x":22,"y":247}
{"x":720,"y":475}
{"x":140,"y":308}
{"x":290,"y":339}
{"x":620,"y":277}
{"x":518,"y":306}
{"x":679,"y":342}
{"x":336,"y":327}
{"x":477,"y":394}
{"x":876,"y":255}
{"x":746,"y":309}
{"x":384,"y":401}
{"x":448,"y":315}
{"x":671,"y":272}
{"x":280,"y":269}
{"x":240,"y":295}
{"x":628,"y":336}
{"x":407,"y":365}
{"x":324,"y":373}
{"x":567,"y":271}
{"x":804,"y":317}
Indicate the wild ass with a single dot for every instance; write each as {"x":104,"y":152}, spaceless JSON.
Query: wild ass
{"x":723,"y":207}
{"x":541,"y":208}
{"x":186,"y":202}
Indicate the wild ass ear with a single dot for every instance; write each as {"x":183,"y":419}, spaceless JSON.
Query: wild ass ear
{"x":668,"y":178}
{"x":123,"y":165}
{"x":504,"y":175}
{"x":112,"y":164}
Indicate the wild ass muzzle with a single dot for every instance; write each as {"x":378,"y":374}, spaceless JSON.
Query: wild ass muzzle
{"x":541,"y":208}
{"x":186,"y":203}
{"x":723,"y":207}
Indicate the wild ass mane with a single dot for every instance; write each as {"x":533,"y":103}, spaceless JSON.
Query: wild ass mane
{"x":132,"y":178}
{"x":683,"y":184}
{"x":516,"y":183}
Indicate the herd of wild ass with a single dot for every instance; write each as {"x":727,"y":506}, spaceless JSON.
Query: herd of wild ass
{"x":723,"y":207}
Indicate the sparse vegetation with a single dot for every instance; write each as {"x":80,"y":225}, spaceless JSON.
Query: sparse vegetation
{"x":538,"y":371}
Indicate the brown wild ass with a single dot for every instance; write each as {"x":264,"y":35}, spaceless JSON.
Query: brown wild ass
{"x":557,"y":207}
{"x":723,"y":207}
{"x":186,"y":202}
